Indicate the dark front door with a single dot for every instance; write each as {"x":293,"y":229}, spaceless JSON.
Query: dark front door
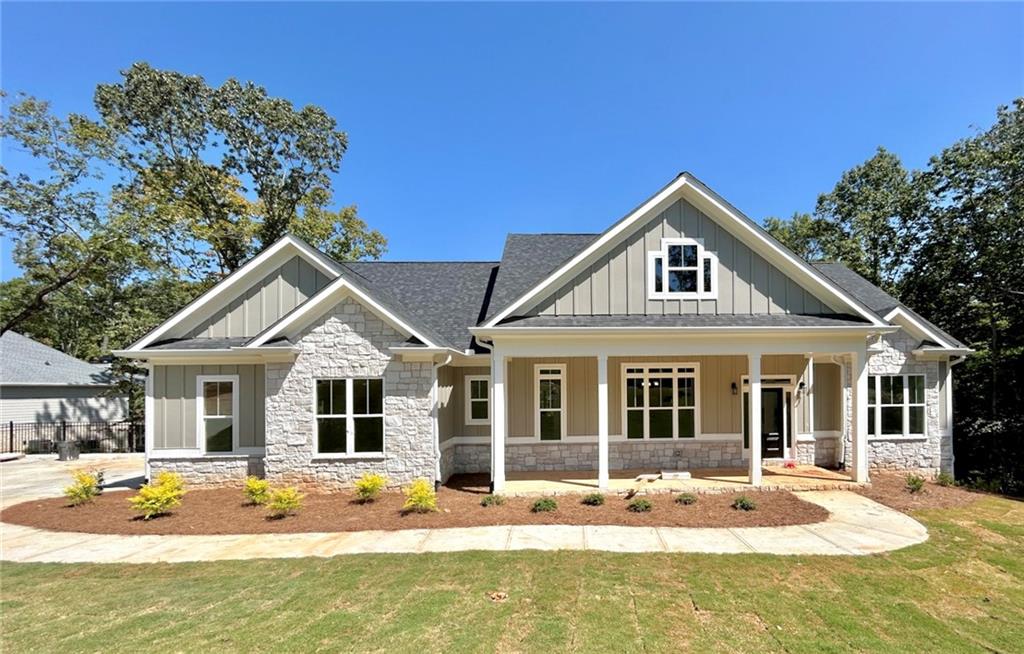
{"x":772,"y":428}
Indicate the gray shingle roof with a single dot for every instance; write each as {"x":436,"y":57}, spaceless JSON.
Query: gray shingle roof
{"x":27,"y":362}
{"x":528,"y":259}
{"x":703,"y":320}
{"x":873,"y":297}
{"x":199,"y":343}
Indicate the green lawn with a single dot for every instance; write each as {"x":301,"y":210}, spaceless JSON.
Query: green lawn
{"x":961,"y":591}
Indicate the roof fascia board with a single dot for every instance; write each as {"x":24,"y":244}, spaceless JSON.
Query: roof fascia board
{"x":542,"y":332}
{"x":333,"y":292}
{"x":245,"y":275}
{"x":671,"y":192}
{"x":922,"y":329}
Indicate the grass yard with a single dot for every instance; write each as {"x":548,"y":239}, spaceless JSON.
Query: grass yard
{"x":962,"y":591}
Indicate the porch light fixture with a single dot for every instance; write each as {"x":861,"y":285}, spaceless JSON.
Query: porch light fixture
{"x":801,"y":387}
{"x":735,"y":391}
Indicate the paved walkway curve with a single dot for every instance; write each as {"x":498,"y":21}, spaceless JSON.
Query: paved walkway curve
{"x":857,"y":525}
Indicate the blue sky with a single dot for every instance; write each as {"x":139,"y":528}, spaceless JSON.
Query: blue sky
{"x":467,"y":121}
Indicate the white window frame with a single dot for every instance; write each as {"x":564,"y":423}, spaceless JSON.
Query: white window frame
{"x":563,"y":410}
{"x":468,"y":381}
{"x":906,"y":405}
{"x":702,"y":255}
{"x":201,"y":412}
{"x":349,"y":417}
{"x":676,"y":375}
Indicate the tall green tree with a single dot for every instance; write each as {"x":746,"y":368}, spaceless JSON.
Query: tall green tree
{"x":875,"y":213}
{"x":236,"y":167}
{"x":804,"y":234}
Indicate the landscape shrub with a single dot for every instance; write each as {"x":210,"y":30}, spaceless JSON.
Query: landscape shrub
{"x":686,"y":499}
{"x":160,"y":496}
{"x":639,"y":505}
{"x":283,"y":502}
{"x":492,"y":500}
{"x":593,"y":499}
{"x":915,"y":483}
{"x":84,"y":488}
{"x":420,"y":497}
{"x":945,"y":479}
{"x":744,"y":503}
{"x":257,"y":491}
{"x":369,"y":486}
{"x":544,"y":505}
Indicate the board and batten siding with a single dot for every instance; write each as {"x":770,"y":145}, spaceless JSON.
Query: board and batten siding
{"x":827,"y":397}
{"x":174,"y":403}
{"x":616,"y":283}
{"x":719,"y":408}
{"x":265,"y":302}
{"x":451,"y":412}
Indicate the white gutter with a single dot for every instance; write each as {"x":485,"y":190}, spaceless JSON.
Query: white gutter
{"x":434,"y":401}
{"x":641,"y":330}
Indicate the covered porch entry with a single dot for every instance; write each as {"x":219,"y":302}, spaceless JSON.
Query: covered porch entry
{"x":568,"y":415}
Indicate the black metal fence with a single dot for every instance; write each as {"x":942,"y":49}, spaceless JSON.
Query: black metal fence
{"x":42,"y":437}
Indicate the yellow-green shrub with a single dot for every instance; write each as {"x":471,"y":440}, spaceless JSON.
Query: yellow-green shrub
{"x":369,"y":486}
{"x":420,"y":497}
{"x":257,"y":490}
{"x":157,"y":498}
{"x":284,"y":501}
{"x":84,"y":487}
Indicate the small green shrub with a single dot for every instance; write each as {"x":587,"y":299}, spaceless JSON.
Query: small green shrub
{"x":283,"y":502}
{"x":369,"y":486}
{"x":420,"y":497}
{"x":593,"y":499}
{"x":257,"y":491}
{"x":544,"y":505}
{"x":915,"y":483}
{"x":686,"y":499}
{"x":84,"y":487}
{"x":945,"y":479}
{"x":159,"y":497}
{"x":492,"y":500}
{"x":744,"y":503}
{"x":639,"y":505}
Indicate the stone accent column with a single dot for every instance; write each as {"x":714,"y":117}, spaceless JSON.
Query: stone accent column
{"x":754,"y":373}
{"x":497,"y":420}
{"x":602,"y":421}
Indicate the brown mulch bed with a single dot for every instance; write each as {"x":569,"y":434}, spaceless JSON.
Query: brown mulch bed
{"x":222,"y":511}
{"x":890,"y":489}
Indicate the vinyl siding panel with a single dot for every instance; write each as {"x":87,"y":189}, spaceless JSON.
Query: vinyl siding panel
{"x":175,"y":406}
{"x":55,"y":404}
{"x":265,"y":302}
{"x":580,"y":393}
{"x":452,"y":409}
{"x":616,"y":283}
{"x":827,"y":397}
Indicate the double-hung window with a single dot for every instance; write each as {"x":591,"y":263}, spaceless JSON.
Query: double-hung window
{"x":349,"y":416}
{"x":478,"y":404}
{"x":682,"y":269}
{"x":660,"y":401}
{"x":550,"y":418}
{"x":218,"y":409}
{"x":896,"y":405}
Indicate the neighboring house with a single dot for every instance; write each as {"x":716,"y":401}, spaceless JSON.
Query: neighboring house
{"x":39,"y":384}
{"x":662,"y":343}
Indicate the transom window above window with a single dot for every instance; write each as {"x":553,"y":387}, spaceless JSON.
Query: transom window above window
{"x":349,"y":416}
{"x":682,"y":269}
{"x":896,"y":405}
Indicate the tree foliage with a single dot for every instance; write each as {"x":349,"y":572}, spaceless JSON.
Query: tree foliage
{"x":803,"y":233}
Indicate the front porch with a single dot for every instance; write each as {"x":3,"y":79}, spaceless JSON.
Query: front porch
{"x":708,"y":480}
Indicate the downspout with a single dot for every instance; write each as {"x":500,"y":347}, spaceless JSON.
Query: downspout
{"x":435,"y":400}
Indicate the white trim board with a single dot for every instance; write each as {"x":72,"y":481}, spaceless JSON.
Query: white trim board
{"x":741,"y":227}
{"x":923,"y":331}
{"x":242,"y":278}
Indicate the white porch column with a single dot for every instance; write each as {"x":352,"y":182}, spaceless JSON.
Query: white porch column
{"x":859,"y":428}
{"x":149,"y":418}
{"x":754,"y":375}
{"x":809,"y":396}
{"x":497,"y":420}
{"x":602,"y":421}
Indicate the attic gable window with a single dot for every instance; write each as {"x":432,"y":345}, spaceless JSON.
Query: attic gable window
{"x":682,"y":269}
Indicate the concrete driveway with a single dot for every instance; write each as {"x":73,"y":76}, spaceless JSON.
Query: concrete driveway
{"x":42,"y":475}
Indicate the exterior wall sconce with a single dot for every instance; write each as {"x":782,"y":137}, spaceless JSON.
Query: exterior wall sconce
{"x":802,"y":387}
{"x":735,"y":391}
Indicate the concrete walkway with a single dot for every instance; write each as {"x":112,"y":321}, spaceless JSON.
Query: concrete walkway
{"x":856,"y":526}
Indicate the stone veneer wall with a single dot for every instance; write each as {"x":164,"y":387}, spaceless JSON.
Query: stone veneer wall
{"x":348,"y":341}
{"x":823,"y":452}
{"x":219,"y":470}
{"x":668,"y":455}
{"x":929,"y":454}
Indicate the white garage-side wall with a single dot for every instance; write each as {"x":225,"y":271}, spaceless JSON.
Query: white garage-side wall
{"x":57,"y":403}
